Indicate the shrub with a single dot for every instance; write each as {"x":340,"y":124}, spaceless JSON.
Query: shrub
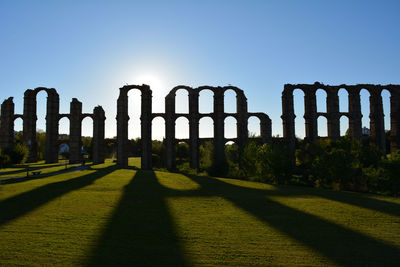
{"x":18,"y":153}
{"x":274,"y":163}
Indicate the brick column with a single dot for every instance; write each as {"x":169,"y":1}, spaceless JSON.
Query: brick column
{"x":194,"y":128}
{"x":122,"y":128}
{"x":265,"y":128}
{"x":75,"y":131}
{"x":310,"y":115}
{"x":170,"y":130}
{"x":7,"y":124}
{"x":146,"y":127}
{"x":219,"y":140}
{"x":52,"y":117}
{"x":355,"y":113}
{"x":241,"y":108}
{"x":98,"y":134}
{"x":377,"y":119}
{"x":395,"y":119}
{"x":333,"y":113}
{"x":29,"y":124}
{"x":288,"y":117}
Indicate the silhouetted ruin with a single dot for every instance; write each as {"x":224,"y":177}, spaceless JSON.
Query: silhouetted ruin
{"x":170,"y":116}
{"x":332,"y":114}
{"x":52,"y":120}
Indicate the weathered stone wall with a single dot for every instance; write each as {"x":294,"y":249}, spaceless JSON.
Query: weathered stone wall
{"x":7,"y":123}
{"x":53,"y":116}
{"x":333,"y":115}
{"x":193,"y":116}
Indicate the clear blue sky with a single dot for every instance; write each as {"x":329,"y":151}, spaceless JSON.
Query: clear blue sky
{"x":88,"y":49}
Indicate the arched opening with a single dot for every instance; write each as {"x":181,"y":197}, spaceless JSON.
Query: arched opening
{"x":182,"y":128}
{"x":63,"y":139}
{"x":206,"y":151}
{"x":254,"y":126}
{"x":320,"y":95}
{"x":365,"y":111}
{"x":230,"y":127}
{"x":206,"y":101}
{"x":343,"y":100}
{"x":134,"y":113}
{"x":18,"y":130}
{"x":344,"y":125}
{"x":182,"y":101}
{"x":298,"y":103}
{"x":230,"y":101}
{"x":232,"y":157}
{"x":41,"y":111}
{"x":322,"y":126}
{"x":206,"y":127}
{"x":386,"y":108}
{"x":158,"y":129}
{"x":157,"y":143}
{"x":87,"y":138}
{"x":182,"y":156}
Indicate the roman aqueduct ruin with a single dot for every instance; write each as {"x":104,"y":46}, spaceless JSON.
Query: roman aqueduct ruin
{"x":218,"y":116}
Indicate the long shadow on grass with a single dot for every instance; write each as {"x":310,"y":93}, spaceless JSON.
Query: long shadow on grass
{"x":140,"y":231}
{"x":14,"y":207}
{"x":341,"y":245}
{"x":355,"y":199}
{"x":31,"y":168}
{"x":13,"y":180}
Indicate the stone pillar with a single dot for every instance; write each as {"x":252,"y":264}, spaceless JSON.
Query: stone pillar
{"x":377,"y":119}
{"x":52,"y":117}
{"x":98,"y":134}
{"x":170,"y":130}
{"x":354,"y":113}
{"x":75,"y":130}
{"x":242,"y":131}
{"x":288,"y":117}
{"x":265,"y":129}
{"x":29,"y":124}
{"x":146,"y":119}
{"x":122,"y":128}
{"x":219,"y":140}
{"x":194,"y":128}
{"x":395,"y":119}
{"x":7,"y":124}
{"x":310,"y":115}
{"x":332,"y":109}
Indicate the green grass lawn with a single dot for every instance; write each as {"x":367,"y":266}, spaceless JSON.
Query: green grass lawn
{"x":109,"y":216}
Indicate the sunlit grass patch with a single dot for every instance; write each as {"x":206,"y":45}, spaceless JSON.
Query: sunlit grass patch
{"x":108,"y":216}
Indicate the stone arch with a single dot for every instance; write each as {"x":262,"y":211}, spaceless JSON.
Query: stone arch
{"x":254,"y":126}
{"x":344,"y":124}
{"x":182,"y":100}
{"x":322,"y":123}
{"x":343,"y":96}
{"x":386,"y":95}
{"x":30,"y":117}
{"x":182,"y":127}
{"x":18,"y":123}
{"x":122,"y":125}
{"x":206,"y":100}
{"x":230,"y":101}
{"x":365,"y":102}
{"x":299,"y":112}
{"x":158,"y":134}
{"x":321,"y":99}
{"x":206,"y":127}
{"x":230,"y":127}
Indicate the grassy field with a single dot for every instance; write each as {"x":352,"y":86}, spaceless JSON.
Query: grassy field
{"x":108,"y":216}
